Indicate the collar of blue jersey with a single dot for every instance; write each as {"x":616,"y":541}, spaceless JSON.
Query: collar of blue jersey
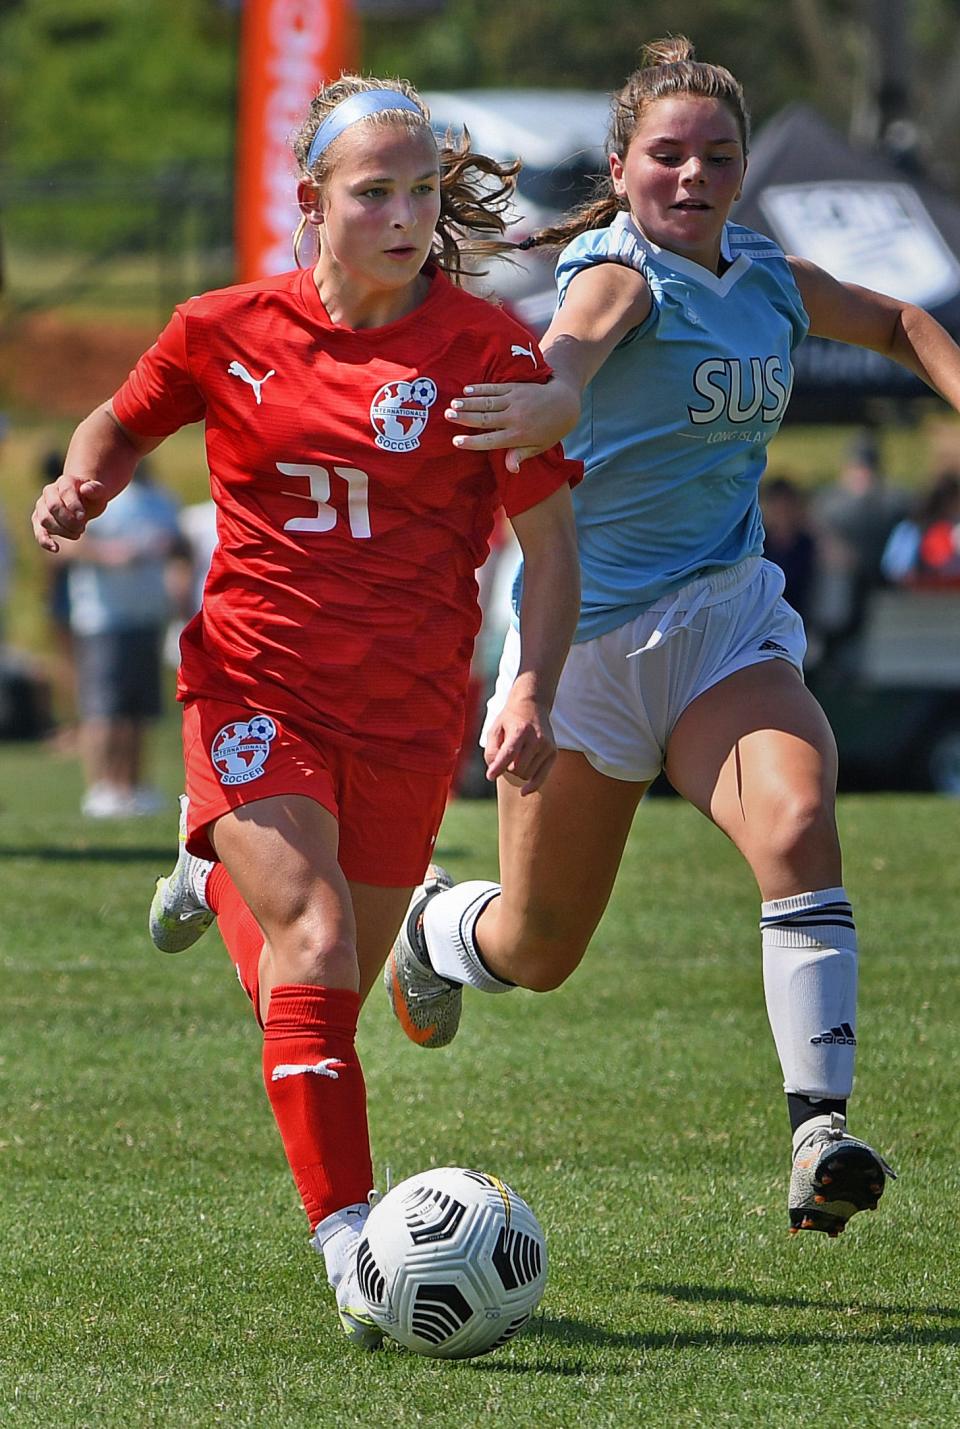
{"x":667,"y":258}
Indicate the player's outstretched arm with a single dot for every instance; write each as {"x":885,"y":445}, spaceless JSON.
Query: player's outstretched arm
{"x":520,"y":742}
{"x":602,"y":304}
{"x":901,"y":331}
{"x":100,"y":461}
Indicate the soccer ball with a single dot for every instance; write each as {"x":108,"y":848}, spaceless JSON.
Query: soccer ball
{"x":452,"y":1263}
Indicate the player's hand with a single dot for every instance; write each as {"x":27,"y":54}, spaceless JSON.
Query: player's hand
{"x":521,"y":743}
{"x":63,"y":509}
{"x":525,"y":417}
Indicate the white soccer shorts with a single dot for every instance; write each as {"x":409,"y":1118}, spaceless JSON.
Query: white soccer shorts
{"x":621,"y":694}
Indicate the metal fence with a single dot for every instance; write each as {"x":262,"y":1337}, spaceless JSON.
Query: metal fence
{"x":114,"y":241}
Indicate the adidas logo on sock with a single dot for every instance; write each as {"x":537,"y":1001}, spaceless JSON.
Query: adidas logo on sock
{"x":842,"y":1036}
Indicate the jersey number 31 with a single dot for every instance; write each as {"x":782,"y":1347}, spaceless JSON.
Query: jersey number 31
{"x":326,"y":516}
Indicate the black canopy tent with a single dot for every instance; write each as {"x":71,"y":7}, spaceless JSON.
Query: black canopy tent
{"x":864,"y":220}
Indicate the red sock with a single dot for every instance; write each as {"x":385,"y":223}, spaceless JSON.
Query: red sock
{"x":315,"y":1085}
{"x":239,"y":929}
{"x":320,"y":1117}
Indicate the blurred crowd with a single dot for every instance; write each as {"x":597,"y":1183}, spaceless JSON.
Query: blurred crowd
{"x":117,"y":600}
{"x":840,"y":542}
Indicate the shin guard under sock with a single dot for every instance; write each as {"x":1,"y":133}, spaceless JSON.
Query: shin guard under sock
{"x":810,"y":984}
{"x":315,"y":1085}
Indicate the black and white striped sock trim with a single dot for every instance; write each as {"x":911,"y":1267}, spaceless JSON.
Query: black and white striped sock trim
{"x":837,"y":914}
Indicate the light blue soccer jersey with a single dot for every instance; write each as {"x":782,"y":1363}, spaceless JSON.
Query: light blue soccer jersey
{"x":674,"y":427}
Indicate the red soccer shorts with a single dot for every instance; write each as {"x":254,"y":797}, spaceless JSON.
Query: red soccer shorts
{"x":388,"y":816}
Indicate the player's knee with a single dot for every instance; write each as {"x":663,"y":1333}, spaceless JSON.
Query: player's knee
{"x":333,"y":964}
{"x":804,"y":821}
{"x":304,"y":952}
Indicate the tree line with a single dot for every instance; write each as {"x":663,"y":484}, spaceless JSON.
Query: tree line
{"x":144,"y":84}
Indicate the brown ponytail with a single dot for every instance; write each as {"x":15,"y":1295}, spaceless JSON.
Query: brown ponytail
{"x":667,"y":67}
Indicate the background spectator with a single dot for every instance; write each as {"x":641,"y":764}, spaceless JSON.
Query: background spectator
{"x":853,"y":519}
{"x":788,"y":540}
{"x":55,"y":576}
{"x":6,"y":565}
{"x":187,"y":571}
{"x":6,"y":553}
{"x":118,"y":605}
{"x":925,"y":548}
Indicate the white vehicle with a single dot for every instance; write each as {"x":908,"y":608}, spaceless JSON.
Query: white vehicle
{"x":560,"y":136}
{"x":452,"y":1263}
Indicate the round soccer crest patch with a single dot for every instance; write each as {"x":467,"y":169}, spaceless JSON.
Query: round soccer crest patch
{"x":239,"y":750}
{"x":399,"y":413}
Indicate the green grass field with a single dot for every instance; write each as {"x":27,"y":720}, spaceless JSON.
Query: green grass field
{"x":153,"y":1257}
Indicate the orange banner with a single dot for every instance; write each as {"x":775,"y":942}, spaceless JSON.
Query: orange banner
{"x":288,"y":49}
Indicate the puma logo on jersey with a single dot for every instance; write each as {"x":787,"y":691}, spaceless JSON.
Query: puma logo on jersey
{"x":518,"y":351}
{"x":237,"y":369}
{"x":324,"y":1068}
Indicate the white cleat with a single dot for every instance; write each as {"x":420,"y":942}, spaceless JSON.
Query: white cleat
{"x":178,"y":914}
{"x":834,"y":1176}
{"x":356,"y":1321}
{"x":328,"y":1240}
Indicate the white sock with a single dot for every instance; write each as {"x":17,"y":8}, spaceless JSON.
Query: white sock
{"x":335,"y":1238}
{"x":810,"y":985}
{"x":448,"y":927}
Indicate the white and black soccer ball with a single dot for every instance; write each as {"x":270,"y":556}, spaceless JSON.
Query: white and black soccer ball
{"x":262,"y":727}
{"x":452,"y":1263}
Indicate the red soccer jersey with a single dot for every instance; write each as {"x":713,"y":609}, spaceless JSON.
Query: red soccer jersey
{"x":342,"y":593}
